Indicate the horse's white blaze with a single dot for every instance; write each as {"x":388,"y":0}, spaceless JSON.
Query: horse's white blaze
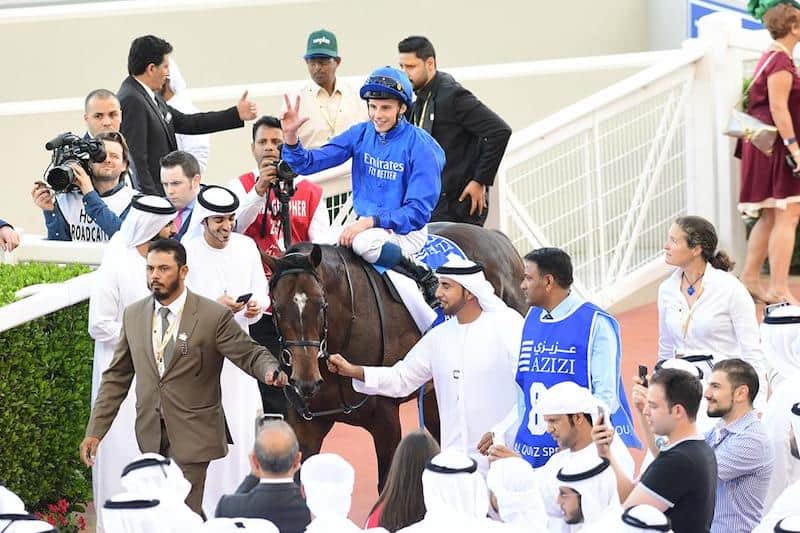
{"x":300,"y":300}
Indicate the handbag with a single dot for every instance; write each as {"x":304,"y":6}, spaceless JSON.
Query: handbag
{"x":742,"y":125}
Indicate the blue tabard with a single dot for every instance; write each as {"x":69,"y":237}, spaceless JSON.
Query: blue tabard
{"x":554,"y":351}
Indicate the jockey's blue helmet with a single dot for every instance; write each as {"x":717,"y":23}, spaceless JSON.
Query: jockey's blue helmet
{"x":387,"y":82}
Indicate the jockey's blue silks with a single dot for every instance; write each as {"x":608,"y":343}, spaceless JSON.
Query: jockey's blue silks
{"x":554,"y":351}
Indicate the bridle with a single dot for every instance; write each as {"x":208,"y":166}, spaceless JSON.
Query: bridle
{"x":321,"y":344}
{"x":291,"y":393}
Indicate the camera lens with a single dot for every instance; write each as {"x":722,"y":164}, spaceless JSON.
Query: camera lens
{"x":59,"y":177}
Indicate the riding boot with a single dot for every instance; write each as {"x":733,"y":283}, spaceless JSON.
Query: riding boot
{"x":423,"y":275}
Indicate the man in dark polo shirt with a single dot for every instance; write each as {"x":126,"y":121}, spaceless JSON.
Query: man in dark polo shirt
{"x":681,"y":481}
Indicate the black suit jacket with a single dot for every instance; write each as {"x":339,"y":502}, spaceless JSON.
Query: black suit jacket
{"x":473,"y":138}
{"x":150,"y":130}
{"x":280,"y":503}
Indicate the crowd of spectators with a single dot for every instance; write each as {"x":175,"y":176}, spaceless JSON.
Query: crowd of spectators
{"x":535,"y":421}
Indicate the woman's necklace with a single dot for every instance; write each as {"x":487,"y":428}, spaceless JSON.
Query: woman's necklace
{"x":786,"y":50}
{"x":690,"y":290}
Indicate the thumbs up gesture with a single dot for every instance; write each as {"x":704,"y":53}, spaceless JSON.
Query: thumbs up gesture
{"x":247,"y":109}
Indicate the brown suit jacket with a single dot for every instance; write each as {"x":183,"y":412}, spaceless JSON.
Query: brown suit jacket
{"x":188,"y":395}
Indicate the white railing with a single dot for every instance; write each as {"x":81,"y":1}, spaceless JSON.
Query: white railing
{"x":279,"y":88}
{"x":44,"y":299}
{"x":604,"y":178}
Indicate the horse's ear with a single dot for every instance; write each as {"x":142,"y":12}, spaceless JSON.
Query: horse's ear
{"x":315,"y":256}
{"x":271,"y":262}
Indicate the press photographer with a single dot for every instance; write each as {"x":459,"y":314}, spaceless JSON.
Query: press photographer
{"x":259,"y":217}
{"x":84,"y":196}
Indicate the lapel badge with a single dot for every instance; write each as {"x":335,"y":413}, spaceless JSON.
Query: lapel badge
{"x":183,"y":344}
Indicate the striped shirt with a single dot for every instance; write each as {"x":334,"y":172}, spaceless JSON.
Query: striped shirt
{"x":744,"y":466}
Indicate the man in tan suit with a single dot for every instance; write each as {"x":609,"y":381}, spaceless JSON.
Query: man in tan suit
{"x":174,"y":343}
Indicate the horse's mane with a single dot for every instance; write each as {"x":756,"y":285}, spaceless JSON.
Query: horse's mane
{"x":297,"y":254}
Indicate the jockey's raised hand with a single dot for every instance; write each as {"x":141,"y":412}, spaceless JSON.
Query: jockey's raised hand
{"x":291,"y":120}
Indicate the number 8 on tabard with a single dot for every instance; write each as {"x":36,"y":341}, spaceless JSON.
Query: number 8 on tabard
{"x":536,"y":423}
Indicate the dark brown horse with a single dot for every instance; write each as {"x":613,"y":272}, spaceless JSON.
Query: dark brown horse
{"x":325,"y":300}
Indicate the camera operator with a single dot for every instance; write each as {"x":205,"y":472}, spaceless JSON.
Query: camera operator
{"x":91,"y":208}
{"x":259,"y":218}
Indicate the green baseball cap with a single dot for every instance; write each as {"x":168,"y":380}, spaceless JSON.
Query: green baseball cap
{"x":321,"y":43}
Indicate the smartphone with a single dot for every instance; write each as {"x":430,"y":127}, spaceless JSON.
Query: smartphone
{"x":261,"y":419}
{"x":601,"y":415}
{"x":643,"y":375}
{"x":244,"y":298}
{"x":790,"y":162}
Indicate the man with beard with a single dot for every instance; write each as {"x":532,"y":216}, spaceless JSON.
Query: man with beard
{"x":473,"y":137}
{"x":174,"y":342}
{"x":118,"y":283}
{"x":740,"y":443}
{"x":471,"y":359}
{"x":92,"y":208}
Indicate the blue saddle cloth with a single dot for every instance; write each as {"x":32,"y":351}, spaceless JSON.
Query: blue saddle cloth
{"x":434,"y":253}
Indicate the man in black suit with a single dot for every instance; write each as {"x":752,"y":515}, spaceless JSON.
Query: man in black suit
{"x":270,"y":491}
{"x":473,"y":137}
{"x":149,"y":123}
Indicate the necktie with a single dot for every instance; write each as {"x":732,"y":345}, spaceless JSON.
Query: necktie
{"x":170,"y":347}
{"x":179,"y":220}
{"x":162,"y":107}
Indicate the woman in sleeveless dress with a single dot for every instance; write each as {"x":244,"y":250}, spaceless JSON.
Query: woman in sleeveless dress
{"x":768,"y":184}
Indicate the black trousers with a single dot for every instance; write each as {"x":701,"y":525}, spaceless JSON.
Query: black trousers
{"x":264,"y":333}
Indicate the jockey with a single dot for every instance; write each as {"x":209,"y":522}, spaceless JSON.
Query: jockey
{"x":396,"y":173}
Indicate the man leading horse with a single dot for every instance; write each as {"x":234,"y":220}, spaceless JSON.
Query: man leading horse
{"x":471,"y":358}
{"x":396,"y":176}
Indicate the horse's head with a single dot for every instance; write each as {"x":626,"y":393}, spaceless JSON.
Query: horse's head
{"x":299,"y":310}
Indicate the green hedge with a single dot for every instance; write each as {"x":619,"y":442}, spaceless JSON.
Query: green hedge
{"x":45,"y":388}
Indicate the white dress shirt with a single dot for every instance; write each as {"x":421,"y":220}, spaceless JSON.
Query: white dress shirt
{"x":722,"y":322}
{"x":149,"y":91}
{"x":328,"y":114}
{"x":175,"y":312}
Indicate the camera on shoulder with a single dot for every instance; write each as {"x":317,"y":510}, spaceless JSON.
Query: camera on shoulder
{"x":68,"y":149}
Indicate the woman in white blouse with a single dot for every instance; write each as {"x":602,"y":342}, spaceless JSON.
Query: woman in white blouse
{"x":702,"y":307}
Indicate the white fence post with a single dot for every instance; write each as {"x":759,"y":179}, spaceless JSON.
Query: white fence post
{"x":723,"y":65}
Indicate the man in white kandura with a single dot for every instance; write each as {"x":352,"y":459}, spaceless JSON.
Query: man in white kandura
{"x":456,"y":497}
{"x":785,"y":505}
{"x":780,"y":338}
{"x":570,"y":412}
{"x":471,"y":358}
{"x":587,"y":495}
{"x":120,"y":281}
{"x":226,"y":267}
